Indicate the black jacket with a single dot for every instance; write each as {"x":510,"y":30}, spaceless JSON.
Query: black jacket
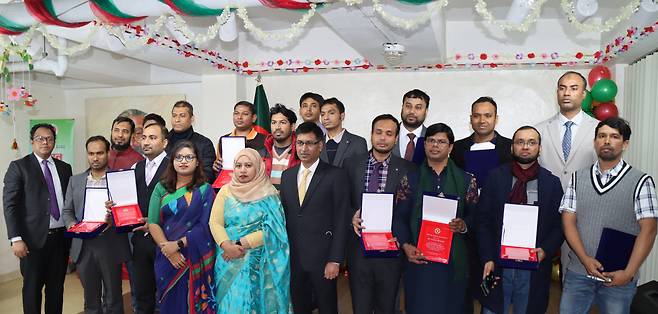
{"x":205,"y":147}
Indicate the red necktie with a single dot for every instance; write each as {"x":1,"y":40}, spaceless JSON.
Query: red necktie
{"x":409,"y":152}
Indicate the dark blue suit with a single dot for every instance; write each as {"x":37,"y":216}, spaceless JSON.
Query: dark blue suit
{"x":549,"y":232}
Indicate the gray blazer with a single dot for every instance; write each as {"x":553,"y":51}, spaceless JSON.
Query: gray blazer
{"x":350,"y":145}
{"x":582,"y":151}
{"x":109,"y":245}
{"x":396,"y":148}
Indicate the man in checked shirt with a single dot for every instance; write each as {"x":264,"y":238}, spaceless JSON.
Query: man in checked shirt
{"x":610,"y":194}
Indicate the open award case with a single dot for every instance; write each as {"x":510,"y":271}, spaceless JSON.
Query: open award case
{"x":93,"y":215}
{"x":435,"y":236}
{"x":231,"y":145}
{"x":122,"y":188}
{"x":519,"y":236}
{"x":377,"y":215}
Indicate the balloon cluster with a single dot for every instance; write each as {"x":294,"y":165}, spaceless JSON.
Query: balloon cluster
{"x":600,"y":101}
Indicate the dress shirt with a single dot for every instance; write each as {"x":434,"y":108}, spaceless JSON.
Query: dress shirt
{"x":336,"y":138}
{"x":151,"y":167}
{"x":404,"y":139}
{"x":577,"y":122}
{"x":300,"y":173}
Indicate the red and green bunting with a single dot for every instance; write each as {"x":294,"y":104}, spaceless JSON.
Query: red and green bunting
{"x":106,"y":11}
{"x":44,"y":12}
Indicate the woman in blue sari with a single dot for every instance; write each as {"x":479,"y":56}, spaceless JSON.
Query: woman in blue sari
{"x":178,"y":221}
{"x":247,"y":222}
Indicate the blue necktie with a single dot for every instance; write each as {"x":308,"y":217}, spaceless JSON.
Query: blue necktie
{"x":566,"y":140}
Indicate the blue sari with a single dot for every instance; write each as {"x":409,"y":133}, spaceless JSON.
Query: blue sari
{"x":259,"y":282}
{"x":189,"y":289}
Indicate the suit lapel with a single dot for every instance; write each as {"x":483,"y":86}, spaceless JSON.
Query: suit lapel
{"x":555,"y":138}
{"x":342,"y":147}
{"x":60,"y":171}
{"x":360,"y":175}
{"x":38,"y":171}
{"x":580,"y":138}
{"x":315,"y":181}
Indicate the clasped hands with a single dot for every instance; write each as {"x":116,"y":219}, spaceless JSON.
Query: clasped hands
{"x":172,"y":252}
{"x":233,"y":250}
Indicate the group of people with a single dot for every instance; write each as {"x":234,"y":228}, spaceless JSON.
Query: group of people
{"x":275,"y":238}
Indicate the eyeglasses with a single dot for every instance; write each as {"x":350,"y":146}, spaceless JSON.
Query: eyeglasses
{"x":307,"y":143}
{"x":522,"y":143}
{"x":432,"y":141}
{"x":47,"y":139}
{"x":188,"y":158}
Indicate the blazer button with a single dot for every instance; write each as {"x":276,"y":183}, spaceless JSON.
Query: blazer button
{"x":328,"y":233}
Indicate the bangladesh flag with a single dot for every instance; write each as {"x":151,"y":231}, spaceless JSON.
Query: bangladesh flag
{"x":262,"y":111}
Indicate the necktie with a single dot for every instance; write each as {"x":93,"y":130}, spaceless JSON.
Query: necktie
{"x":566,"y":140}
{"x":409,"y":152}
{"x":373,"y":184}
{"x":54,"y":207}
{"x":150,"y":171}
{"x":302,"y":186}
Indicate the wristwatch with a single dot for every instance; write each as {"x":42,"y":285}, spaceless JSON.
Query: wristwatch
{"x":238,"y":243}
{"x":180,"y":244}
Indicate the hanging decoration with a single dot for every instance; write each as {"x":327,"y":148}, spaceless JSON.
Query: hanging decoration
{"x":286,"y":4}
{"x":189,"y":7}
{"x":569,"y":10}
{"x":106,"y":11}
{"x":43,"y":11}
{"x":408,"y":24}
{"x":293,"y":32}
{"x":524,"y":26}
{"x":8,"y":27}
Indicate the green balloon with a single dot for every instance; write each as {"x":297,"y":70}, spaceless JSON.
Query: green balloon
{"x":604,"y":90}
{"x":587,"y":102}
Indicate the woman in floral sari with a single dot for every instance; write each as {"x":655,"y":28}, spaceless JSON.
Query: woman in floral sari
{"x":178,"y":221}
{"x":247,"y":222}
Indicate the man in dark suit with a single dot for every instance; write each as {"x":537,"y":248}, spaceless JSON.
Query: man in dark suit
{"x":33,"y":196}
{"x":147,"y":175}
{"x":97,"y":259}
{"x":414,"y":110}
{"x":339,"y":144}
{"x":523,"y":181}
{"x":374,"y":281}
{"x":315,"y":197}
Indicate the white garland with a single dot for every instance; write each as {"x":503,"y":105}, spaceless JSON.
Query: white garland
{"x":181,"y":25}
{"x":407,"y":24}
{"x":598,"y":27}
{"x":69,"y":51}
{"x":293,"y":32}
{"x":524,"y":26}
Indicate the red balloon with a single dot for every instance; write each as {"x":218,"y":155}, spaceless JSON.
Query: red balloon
{"x":597,"y":73}
{"x":606,"y":110}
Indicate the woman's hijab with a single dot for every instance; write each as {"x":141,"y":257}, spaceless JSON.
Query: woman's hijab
{"x":259,"y":187}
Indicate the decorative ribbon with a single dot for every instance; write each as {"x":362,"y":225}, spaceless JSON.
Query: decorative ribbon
{"x":8,"y":27}
{"x":43,"y":11}
{"x":189,"y":7}
{"x":286,"y":4}
{"x":416,"y":1}
{"x":108,"y":12}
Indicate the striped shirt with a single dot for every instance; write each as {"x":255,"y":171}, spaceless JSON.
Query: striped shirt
{"x":279,"y":164}
{"x":370,"y":169}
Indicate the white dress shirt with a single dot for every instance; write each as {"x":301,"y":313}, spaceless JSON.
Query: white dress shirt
{"x":300,"y":173}
{"x":577,"y":122}
{"x":336,"y":138}
{"x":151,"y":167}
{"x":403,"y":138}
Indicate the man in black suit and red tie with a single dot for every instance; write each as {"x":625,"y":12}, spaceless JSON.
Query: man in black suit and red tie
{"x":315,"y":197}
{"x":33,"y":196}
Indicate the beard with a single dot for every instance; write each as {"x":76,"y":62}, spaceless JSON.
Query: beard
{"x":525,"y":160}
{"x":120,"y":147}
{"x":413,"y":125}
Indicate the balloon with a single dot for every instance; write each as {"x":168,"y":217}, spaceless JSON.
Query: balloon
{"x":587,"y":102}
{"x":606,"y":110}
{"x":604,"y":90}
{"x":599,"y":72}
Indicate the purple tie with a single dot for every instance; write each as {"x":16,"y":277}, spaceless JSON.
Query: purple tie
{"x":54,"y":207}
{"x":373,"y":185}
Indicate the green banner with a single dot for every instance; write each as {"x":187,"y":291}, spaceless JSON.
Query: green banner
{"x":64,"y":149}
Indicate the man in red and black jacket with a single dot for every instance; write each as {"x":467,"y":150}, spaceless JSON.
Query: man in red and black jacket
{"x":280,"y":144}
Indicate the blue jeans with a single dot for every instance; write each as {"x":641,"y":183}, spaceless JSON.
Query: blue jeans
{"x":579,"y":292}
{"x":516,"y":287}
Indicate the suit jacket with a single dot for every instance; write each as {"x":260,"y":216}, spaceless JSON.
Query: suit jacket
{"x":144,"y":191}
{"x":549,"y":232}
{"x":27,"y":201}
{"x":350,"y":145}
{"x":419,"y":151}
{"x":316,"y":228}
{"x":582,"y":152}
{"x":503,"y":149}
{"x":109,"y":245}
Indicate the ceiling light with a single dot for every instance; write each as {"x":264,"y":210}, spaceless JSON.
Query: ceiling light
{"x":519,"y":10}
{"x":393,"y":53}
{"x":585,"y":9}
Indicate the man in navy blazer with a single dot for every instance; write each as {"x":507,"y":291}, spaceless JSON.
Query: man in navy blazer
{"x":520,"y":182}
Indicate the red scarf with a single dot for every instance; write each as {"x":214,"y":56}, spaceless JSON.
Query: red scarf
{"x":518,"y":194}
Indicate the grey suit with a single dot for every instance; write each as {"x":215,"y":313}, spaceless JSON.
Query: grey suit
{"x":396,"y":148}
{"x":98,"y":259}
{"x":350,"y":145}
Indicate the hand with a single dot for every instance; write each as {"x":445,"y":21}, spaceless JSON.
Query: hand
{"x":177,"y":260}
{"x":414,"y":255}
{"x":169,"y":248}
{"x":109,"y":204}
{"x":356,"y":223}
{"x":20,"y":249}
{"x":619,"y":278}
{"x":245,"y":243}
{"x":231,"y":250}
{"x":457,"y":225}
{"x":488,"y":268}
{"x":108,"y":214}
{"x":593,"y":267}
{"x":540,"y":254}
{"x":143,"y":227}
{"x":331,"y":270}
{"x":217,"y":165}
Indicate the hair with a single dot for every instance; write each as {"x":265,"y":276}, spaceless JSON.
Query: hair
{"x":184,"y":104}
{"x":527,"y":127}
{"x":310,"y":127}
{"x":386,"y":116}
{"x":122,"y":119}
{"x":618,"y":124}
{"x":575,"y":73}
{"x":314,"y":96}
{"x":247,"y":104}
{"x":98,"y":138}
{"x":440,"y":128}
{"x":163,"y":129}
{"x":334,"y":101}
{"x":417,"y":93}
{"x":45,"y":126}
{"x":485,"y":99}
{"x":289,"y":114}
{"x":170,"y":176}
{"x":132,"y":113}
{"x":155,"y":117}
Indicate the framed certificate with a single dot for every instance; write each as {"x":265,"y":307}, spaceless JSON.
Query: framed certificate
{"x":435,"y":236}
{"x":519,"y":236}
{"x":122,"y":187}
{"x":231,"y":145}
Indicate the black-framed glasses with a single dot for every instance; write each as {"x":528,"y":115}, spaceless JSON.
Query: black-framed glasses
{"x":188,"y":158}
{"x":432,"y":141}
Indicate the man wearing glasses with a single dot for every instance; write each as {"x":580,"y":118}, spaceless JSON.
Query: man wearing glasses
{"x":315,"y":197}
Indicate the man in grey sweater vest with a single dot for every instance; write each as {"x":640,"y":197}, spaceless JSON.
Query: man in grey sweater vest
{"x":611,"y":194}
